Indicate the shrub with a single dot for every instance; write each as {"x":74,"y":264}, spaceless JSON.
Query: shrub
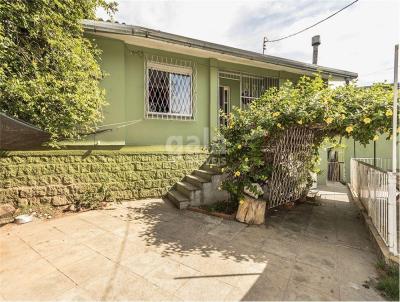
{"x":49,"y":72}
{"x":330,"y":112}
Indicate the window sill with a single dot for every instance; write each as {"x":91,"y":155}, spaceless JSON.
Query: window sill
{"x":169,"y":116}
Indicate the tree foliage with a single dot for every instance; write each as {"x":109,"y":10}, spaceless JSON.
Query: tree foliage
{"x":49,"y":72}
{"x":345,"y":111}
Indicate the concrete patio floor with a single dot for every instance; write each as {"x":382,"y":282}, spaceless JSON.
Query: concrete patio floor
{"x":148,"y":250}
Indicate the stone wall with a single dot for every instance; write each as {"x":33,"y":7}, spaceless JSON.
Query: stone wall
{"x":62,"y":177}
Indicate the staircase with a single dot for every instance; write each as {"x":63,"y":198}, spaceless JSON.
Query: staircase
{"x":200,"y":187}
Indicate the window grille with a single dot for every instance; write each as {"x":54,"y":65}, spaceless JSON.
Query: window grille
{"x":170,"y":91}
{"x":229,"y":75}
{"x":253,"y":87}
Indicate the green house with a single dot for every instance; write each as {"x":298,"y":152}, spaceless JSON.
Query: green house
{"x":164,"y":89}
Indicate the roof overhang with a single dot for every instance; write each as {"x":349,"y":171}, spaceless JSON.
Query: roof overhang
{"x":150,"y":38}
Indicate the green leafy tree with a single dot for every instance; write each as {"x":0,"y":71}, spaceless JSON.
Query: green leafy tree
{"x":345,"y":111}
{"x":49,"y":72}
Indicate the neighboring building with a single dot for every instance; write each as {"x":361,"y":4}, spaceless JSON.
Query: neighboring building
{"x":167,"y":89}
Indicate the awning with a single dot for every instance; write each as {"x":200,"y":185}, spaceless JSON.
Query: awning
{"x":19,"y":135}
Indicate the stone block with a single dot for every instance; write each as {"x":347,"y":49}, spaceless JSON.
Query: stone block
{"x":87,"y":168}
{"x":148,"y":184}
{"x":25,"y":192}
{"x":39,"y":191}
{"x":72,"y":189}
{"x":31,"y":181}
{"x":6,"y":184}
{"x":131,"y":176}
{"x":166,"y":165}
{"x":56,"y":190}
{"x":60,"y":200}
{"x":45,"y":200}
{"x":73,"y":168}
{"x":22,"y":202}
{"x":6,"y":213}
{"x":67,"y":180}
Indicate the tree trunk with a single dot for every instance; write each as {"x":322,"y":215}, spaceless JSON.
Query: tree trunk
{"x":251,"y":211}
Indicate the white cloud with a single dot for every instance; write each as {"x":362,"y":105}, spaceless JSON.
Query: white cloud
{"x":359,"y":39}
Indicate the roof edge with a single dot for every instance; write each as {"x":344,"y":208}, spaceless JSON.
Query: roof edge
{"x":93,"y":26}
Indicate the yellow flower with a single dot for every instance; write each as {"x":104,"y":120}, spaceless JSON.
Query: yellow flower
{"x":300,"y":122}
{"x":237,"y":173}
{"x":342,"y":116}
{"x":349,"y":129}
{"x":222,"y":170}
{"x":279,"y":125}
{"x":329,"y":120}
{"x":367,"y":120}
{"x":389,"y":113}
{"x":239,"y":146}
{"x":376,"y":137}
{"x":275,"y":114}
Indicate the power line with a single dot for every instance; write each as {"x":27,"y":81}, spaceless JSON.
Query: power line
{"x":315,"y":24}
{"x":376,"y":71}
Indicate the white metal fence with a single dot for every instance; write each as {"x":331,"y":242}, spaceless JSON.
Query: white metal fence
{"x":376,"y":189}
{"x":381,"y":163}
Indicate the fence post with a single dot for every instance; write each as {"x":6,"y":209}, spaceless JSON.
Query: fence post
{"x":392,"y":213}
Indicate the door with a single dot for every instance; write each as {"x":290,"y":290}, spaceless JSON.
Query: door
{"x":224,"y":103}
{"x":336,"y":168}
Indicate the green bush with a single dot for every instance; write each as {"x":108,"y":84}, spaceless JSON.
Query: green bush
{"x":49,"y":73}
{"x":330,"y":112}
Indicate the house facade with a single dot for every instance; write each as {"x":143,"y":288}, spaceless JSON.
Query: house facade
{"x":164,"y":89}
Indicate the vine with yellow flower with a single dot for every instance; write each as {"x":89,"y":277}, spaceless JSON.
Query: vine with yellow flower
{"x":344,"y":111}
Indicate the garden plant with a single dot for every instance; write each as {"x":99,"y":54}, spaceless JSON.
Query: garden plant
{"x":49,"y":72}
{"x":311,"y":103}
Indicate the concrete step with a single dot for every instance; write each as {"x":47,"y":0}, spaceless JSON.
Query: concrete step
{"x":212,"y":168}
{"x":196,"y":180}
{"x":186,"y":188}
{"x":207,"y":175}
{"x":178,"y":199}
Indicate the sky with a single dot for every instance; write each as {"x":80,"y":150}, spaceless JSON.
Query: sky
{"x":359,"y":39}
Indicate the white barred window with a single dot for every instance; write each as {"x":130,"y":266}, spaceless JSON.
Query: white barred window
{"x":169,"y":91}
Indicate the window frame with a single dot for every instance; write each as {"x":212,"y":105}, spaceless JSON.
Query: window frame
{"x":171,"y":69}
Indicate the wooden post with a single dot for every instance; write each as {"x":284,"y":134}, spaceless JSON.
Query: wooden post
{"x":251,"y":211}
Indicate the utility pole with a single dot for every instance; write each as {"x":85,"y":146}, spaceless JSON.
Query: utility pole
{"x":392,"y":212}
{"x":265,"y":40}
{"x":395,"y":113}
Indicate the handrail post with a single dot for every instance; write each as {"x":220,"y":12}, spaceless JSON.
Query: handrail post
{"x":392,"y":213}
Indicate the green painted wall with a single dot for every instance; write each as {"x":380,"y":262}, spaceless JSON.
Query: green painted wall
{"x":124,"y":84}
{"x":357,"y":150}
{"x":213,"y":93}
